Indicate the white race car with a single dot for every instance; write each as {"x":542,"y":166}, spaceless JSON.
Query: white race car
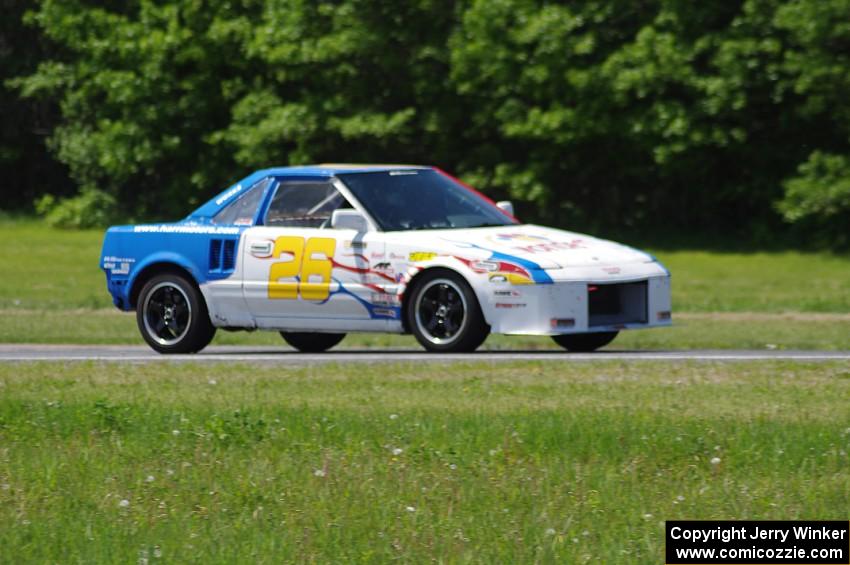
{"x":315,"y":252}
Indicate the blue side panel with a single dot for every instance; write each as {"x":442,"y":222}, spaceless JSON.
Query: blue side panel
{"x":208,"y":252}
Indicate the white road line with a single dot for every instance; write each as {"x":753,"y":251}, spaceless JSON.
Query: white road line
{"x":233,"y":354}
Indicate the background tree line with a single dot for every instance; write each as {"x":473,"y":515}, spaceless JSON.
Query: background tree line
{"x":720,"y":119}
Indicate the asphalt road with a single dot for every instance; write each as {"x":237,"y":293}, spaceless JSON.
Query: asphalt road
{"x":143,"y":354}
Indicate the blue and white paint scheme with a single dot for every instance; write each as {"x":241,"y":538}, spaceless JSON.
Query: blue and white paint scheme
{"x":527,"y":279}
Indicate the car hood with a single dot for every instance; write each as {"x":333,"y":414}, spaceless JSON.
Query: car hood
{"x":549,"y":248}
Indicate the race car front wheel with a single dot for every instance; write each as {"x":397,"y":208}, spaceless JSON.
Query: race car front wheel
{"x":584,"y":343}
{"x":309,"y":342}
{"x":172,"y":315}
{"x":444,"y":314}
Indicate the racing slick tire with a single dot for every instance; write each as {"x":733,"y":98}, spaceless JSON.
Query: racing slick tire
{"x":584,"y":343}
{"x":172,"y":315}
{"x":311,"y":342}
{"x":444,"y":315}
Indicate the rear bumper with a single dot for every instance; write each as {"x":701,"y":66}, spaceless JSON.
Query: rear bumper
{"x":571,"y":307}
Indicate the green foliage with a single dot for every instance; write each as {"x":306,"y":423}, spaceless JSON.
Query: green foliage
{"x":596,"y":114}
{"x":819,"y":198}
{"x":91,"y":208}
{"x":27,"y":170}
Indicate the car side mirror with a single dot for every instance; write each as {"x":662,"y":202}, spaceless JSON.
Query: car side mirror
{"x":506,"y":206}
{"x":348,"y":219}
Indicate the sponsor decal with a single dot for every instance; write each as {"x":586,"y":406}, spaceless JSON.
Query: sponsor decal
{"x":522,"y":237}
{"x":512,"y":277}
{"x":356,"y":244}
{"x":536,"y":243}
{"x":536,"y":273}
{"x":383,"y":274}
{"x":228,"y":195}
{"x":388,"y":312}
{"x":118,"y":268}
{"x":511,"y":305}
{"x":611,"y":270}
{"x":416,"y":256}
{"x":511,"y":293}
{"x":113,"y":259}
{"x":384,"y":266}
{"x":385,"y":299}
{"x":377,"y":255}
{"x":118,"y":265}
{"x":396,"y":256}
{"x":165,"y":228}
{"x":551,"y":246}
{"x":504,"y":271}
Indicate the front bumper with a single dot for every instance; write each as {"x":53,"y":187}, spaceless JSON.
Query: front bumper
{"x":565,"y":307}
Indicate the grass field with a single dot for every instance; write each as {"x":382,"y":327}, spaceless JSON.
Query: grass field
{"x":721,"y":300}
{"x":534,"y":462}
{"x":494,"y":463}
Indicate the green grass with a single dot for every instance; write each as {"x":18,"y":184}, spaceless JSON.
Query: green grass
{"x":759,"y":282}
{"x":51,"y":269}
{"x":57,"y":294}
{"x":534,"y":462}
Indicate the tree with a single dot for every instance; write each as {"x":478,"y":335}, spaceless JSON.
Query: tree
{"x":26,"y":167}
{"x":164,"y":103}
{"x":656,"y":116}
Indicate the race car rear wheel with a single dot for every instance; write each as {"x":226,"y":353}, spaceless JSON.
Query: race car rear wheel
{"x":584,"y":343}
{"x":172,"y":315}
{"x":444,"y":314}
{"x":311,"y":342}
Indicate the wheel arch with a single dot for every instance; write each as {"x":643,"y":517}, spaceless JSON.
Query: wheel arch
{"x":154,"y":269}
{"x":438,"y":267}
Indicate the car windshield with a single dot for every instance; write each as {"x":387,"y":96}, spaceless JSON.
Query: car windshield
{"x":422,"y":199}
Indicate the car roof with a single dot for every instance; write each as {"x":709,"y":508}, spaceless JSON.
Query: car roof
{"x":331,"y":169}
{"x":324,"y":170}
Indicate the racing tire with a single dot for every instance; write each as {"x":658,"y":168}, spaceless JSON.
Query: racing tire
{"x":172,"y":315}
{"x":584,"y":343}
{"x":311,"y":342}
{"x":444,"y":315}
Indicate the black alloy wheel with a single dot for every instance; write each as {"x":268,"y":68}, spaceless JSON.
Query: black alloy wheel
{"x":444,"y":314}
{"x":172,"y":316}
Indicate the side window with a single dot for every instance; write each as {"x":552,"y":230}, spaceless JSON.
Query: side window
{"x":306,"y":204}
{"x":241,"y":211}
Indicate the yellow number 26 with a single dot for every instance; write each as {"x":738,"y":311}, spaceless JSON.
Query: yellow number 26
{"x":310,"y":266}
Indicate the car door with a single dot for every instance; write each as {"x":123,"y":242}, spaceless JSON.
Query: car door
{"x":300,"y":274}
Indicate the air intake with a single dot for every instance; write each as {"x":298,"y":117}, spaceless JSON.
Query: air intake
{"x":616,"y":304}
{"x":229,"y":260}
{"x":222,"y":255}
